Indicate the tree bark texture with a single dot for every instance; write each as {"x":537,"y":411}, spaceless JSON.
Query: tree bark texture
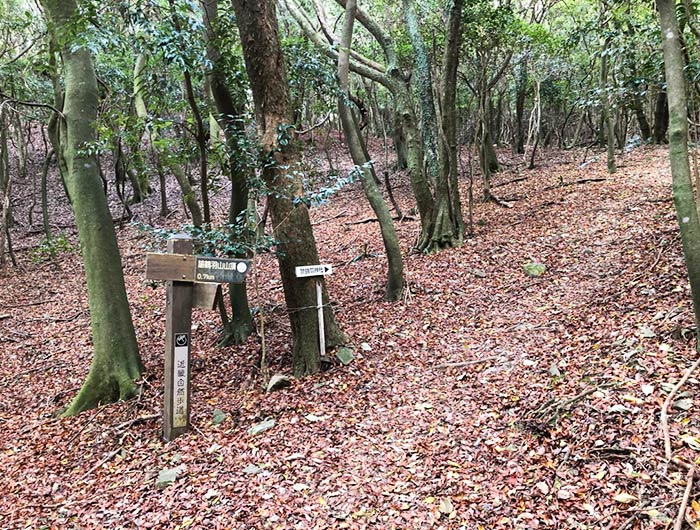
{"x":230,"y":110}
{"x":257,"y":25}
{"x":395,"y":279}
{"x":444,"y":227}
{"x":684,"y":200}
{"x":116,"y":362}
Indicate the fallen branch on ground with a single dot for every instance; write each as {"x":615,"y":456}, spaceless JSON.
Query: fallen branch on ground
{"x":519,"y":179}
{"x":468,"y":363}
{"x":684,"y":503}
{"x":135,"y":420}
{"x":375,"y":220}
{"x":667,"y":404}
{"x":553,"y":408}
{"x":101,"y":462}
{"x":578,"y":181}
{"x":341,"y":214}
{"x":500,"y":202}
{"x":25,"y":304}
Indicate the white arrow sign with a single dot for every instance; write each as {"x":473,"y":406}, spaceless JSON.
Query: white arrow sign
{"x":307,"y":271}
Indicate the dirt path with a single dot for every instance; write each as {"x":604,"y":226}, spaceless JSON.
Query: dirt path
{"x":405,"y":436}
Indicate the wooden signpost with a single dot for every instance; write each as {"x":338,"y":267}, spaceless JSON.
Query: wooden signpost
{"x":316,"y":271}
{"x":184,"y":274}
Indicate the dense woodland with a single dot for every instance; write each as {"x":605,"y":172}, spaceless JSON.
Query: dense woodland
{"x":507,"y":192}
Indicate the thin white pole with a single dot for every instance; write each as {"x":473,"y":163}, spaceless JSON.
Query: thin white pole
{"x":321,"y":330}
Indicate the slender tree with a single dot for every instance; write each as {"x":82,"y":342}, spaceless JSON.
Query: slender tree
{"x":116,"y":362}
{"x":683,"y":198}
{"x":358,"y":152}
{"x":259,"y":32}
{"x":230,"y":109}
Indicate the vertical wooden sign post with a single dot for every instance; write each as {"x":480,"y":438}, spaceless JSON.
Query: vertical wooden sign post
{"x":317,"y":271}
{"x":191,"y":282}
{"x":178,"y":340}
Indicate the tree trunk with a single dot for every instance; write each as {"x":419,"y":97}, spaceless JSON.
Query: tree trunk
{"x":395,"y":280}
{"x":520,"y":95}
{"x":5,"y":179}
{"x":644,"y":127}
{"x":116,"y":361}
{"x":445,"y":227}
{"x":163,"y":156}
{"x":661,"y":118}
{"x":399,"y":140}
{"x":686,"y":207}
{"x":607,"y":124}
{"x":447,"y":191}
{"x":230,"y":111}
{"x":257,"y":25}
{"x":424,"y":87}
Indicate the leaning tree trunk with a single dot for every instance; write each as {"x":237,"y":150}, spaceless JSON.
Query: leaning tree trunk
{"x":257,"y":25}
{"x":395,"y":279}
{"x":163,"y":155}
{"x":230,"y":110}
{"x":116,"y":362}
{"x":686,"y":208}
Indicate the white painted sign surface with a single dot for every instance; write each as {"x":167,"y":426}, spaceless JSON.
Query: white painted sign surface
{"x":314,"y":270}
{"x":180,"y":380}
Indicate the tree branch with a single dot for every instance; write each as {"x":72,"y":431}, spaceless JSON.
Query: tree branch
{"x":31,"y":104}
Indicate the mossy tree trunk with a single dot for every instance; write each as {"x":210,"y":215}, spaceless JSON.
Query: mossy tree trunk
{"x":116,"y":362}
{"x":445,"y":227}
{"x":395,"y":279}
{"x":683,"y":197}
{"x":230,"y":110}
{"x":257,"y":25}
{"x":448,"y":186}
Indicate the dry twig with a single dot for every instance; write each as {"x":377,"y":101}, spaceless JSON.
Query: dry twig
{"x":667,"y":404}
{"x":469,"y":363}
{"x":684,"y":503}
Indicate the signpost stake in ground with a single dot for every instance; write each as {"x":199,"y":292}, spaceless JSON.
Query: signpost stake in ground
{"x":318,"y":271}
{"x":191,"y":281}
{"x":178,"y":339}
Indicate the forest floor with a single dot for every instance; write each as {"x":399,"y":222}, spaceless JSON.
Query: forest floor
{"x":484,"y":399}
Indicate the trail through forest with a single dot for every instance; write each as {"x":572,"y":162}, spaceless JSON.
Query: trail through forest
{"x":486,"y":398}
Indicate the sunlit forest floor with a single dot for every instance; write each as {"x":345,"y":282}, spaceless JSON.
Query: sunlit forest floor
{"x":485,"y":398}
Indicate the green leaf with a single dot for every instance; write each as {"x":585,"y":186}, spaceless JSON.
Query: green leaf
{"x":534,"y":269}
{"x":345,"y":355}
{"x":166,"y":477}
{"x":218,"y":417}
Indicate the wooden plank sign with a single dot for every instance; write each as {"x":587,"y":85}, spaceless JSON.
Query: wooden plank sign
{"x":184,"y":274}
{"x":188,"y":268}
{"x":171,"y":267}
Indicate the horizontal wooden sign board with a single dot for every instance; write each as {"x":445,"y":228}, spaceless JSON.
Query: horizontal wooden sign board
{"x":187,"y":268}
